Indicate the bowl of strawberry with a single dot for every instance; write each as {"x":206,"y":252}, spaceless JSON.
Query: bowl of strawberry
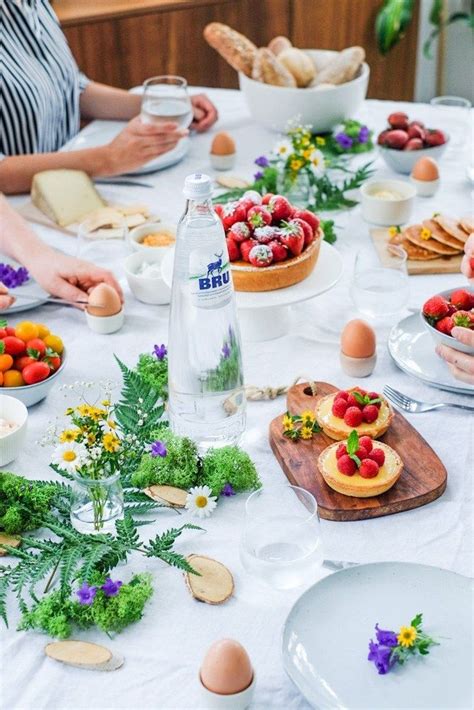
{"x":448,"y":309}
{"x":404,"y":142}
{"x":272,"y":244}
{"x":31,"y":359}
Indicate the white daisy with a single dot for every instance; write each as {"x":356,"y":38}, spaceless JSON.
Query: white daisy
{"x":283,"y":149}
{"x":316,"y":162}
{"x":200,"y":502}
{"x":70,"y":456}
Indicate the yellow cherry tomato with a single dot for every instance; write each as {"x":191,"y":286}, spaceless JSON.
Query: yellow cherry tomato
{"x":6,"y":362}
{"x":26,"y":330}
{"x":13,"y":378}
{"x":43,"y":331}
{"x":55,"y":343}
{"x":1,"y":379}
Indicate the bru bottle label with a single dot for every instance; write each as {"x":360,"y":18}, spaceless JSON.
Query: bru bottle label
{"x":210,"y":279}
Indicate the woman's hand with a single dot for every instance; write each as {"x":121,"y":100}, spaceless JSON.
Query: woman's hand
{"x":460,"y":364}
{"x":69,"y":278}
{"x":5,"y":299}
{"x":205,"y":113}
{"x":467,"y":266}
{"x":139,"y":143}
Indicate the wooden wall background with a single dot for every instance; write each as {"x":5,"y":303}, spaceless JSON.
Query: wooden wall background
{"x":123,"y":42}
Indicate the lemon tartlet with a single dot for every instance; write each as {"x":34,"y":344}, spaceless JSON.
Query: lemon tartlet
{"x":336,"y":428}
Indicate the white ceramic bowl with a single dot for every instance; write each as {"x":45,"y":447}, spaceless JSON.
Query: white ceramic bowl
{"x":137,"y":234}
{"x":403,"y":161}
{"x":32,"y":394}
{"x":15,"y":412}
{"x":442,"y":338}
{"x":147,"y":290}
{"x":387,"y":212}
{"x":274,"y":106}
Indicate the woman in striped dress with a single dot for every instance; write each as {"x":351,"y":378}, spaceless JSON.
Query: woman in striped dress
{"x":43,"y":96}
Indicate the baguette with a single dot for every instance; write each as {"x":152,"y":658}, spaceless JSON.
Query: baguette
{"x":299,"y":64}
{"x":237,"y":50}
{"x":343,"y":68}
{"x":278,"y":44}
{"x":268,"y":69}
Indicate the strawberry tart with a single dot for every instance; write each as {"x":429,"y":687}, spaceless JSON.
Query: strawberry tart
{"x":368,"y":413}
{"x":271,"y":243}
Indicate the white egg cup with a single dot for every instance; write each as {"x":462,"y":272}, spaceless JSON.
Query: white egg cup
{"x":358,"y":366}
{"x":387,"y":212}
{"x":223,"y":162}
{"x":236,"y":701}
{"x":14,"y":411}
{"x":105,"y":325}
{"x":425,"y":188}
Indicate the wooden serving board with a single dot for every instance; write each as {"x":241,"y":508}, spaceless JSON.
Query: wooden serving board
{"x":423,"y":478}
{"x":442,"y":265}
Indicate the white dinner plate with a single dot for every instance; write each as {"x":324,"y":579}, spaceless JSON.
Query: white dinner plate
{"x":34,"y":295}
{"x":102,"y":132}
{"x":326,"y":635}
{"x":413,"y":349}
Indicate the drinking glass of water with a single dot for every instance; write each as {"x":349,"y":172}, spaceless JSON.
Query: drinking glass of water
{"x":281,"y":540}
{"x":378,"y":290}
{"x":166,"y":98}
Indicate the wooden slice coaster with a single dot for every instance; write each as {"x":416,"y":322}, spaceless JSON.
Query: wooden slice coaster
{"x":174,"y":497}
{"x":215,"y":585}
{"x":231,"y":182}
{"x":78,"y":653}
{"x":12,"y":540}
{"x":114,"y":664}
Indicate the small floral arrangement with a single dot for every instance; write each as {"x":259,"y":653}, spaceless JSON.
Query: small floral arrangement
{"x":153,"y":369}
{"x":11,"y":277}
{"x":300,"y":426}
{"x":392,"y":648}
{"x":350,"y":137}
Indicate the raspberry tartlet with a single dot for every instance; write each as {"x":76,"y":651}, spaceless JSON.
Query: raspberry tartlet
{"x":360,"y":467}
{"x":355,"y":409}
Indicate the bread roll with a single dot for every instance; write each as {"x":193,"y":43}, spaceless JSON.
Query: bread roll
{"x":270,"y":70}
{"x":299,"y":64}
{"x":278,"y":44}
{"x":236,"y":49}
{"x":343,"y":68}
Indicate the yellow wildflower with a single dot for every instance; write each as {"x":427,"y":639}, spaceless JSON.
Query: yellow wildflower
{"x":307,"y":153}
{"x":306,"y":432}
{"x":296,"y":165}
{"x":392,"y":231}
{"x":425,"y":233}
{"x":91,"y":438}
{"x":320,"y":140}
{"x":308,"y":418}
{"x":305,"y":140}
{"x":69,"y":435}
{"x":407,"y":636}
{"x":69,"y":411}
{"x":111,"y":443}
{"x":84,"y":410}
{"x":287,"y":422}
{"x":96,"y":414}
{"x":105,"y":403}
{"x":111,"y":423}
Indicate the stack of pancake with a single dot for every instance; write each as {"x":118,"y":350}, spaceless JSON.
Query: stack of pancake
{"x":440,"y":236}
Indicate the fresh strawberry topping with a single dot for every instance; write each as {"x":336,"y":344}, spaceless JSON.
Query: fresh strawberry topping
{"x":261,"y":255}
{"x":435,"y":308}
{"x":342,"y":395}
{"x":233,"y":249}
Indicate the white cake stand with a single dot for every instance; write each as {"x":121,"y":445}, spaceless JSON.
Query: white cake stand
{"x":267,"y":314}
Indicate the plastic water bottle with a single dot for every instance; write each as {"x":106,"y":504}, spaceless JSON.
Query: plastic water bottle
{"x":206,"y":394}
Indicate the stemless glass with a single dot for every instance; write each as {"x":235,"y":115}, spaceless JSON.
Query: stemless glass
{"x":97,"y":504}
{"x":105,"y":245}
{"x":450,"y":101}
{"x":380,"y":290}
{"x":166,"y":98}
{"x":281,"y":541}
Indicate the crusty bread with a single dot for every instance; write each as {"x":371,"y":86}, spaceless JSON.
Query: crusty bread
{"x":278,"y":44}
{"x":268,"y":69}
{"x":343,"y":68}
{"x":299,"y":64}
{"x":236,"y":49}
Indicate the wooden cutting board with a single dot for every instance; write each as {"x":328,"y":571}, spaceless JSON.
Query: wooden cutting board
{"x":423,"y":478}
{"x":442,"y":265}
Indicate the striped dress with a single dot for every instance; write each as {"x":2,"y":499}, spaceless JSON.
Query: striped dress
{"x":40,"y":83}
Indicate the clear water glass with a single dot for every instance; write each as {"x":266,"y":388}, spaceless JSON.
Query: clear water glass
{"x":105,"y":245}
{"x":97,"y":504}
{"x":281,"y":540}
{"x":166,"y":98}
{"x":450,"y":101}
{"x":380,"y":291}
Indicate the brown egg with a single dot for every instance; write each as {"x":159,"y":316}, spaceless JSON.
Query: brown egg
{"x":104,"y":301}
{"x":223,"y":144}
{"x":425,"y":169}
{"x":358,"y":339}
{"x":226,"y":668}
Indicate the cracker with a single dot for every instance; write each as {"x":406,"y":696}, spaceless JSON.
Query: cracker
{"x":231,"y":182}
{"x":215,"y":583}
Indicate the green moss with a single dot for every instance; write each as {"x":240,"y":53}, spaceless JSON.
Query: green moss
{"x":23,"y":503}
{"x":154,"y":372}
{"x":178,"y":468}
{"x":113,"y":614}
{"x":229,"y":465}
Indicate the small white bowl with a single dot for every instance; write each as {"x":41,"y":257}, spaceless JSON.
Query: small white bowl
{"x":236,"y":701}
{"x":386,"y":212}
{"x":105,"y":325}
{"x":137,"y":234}
{"x":403,"y":161}
{"x":223,"y":162}
{"x":441,"y":338}
{"x":146,"y":289}
{"x":14,"y":411}
{"x":32,"y":394}
{"x":425,"y":188}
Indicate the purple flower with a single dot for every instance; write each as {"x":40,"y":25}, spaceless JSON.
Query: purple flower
{"x":363,"y":134}
{"x":344,"y":140}
{"x":111,"y":589}
{"x":158,"y":449}
{"x":258,"y":175}
{"x":160,"y":351}
{"x":12,"y":278}
{"x":381,"y":657}
{"x":385,"y":638}
{"x":262,"y":162}
{"x":226,"y":351}
{"x":228,"y":490}
{"x":86,"y":594}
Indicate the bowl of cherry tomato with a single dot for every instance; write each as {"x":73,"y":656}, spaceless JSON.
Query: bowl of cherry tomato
{"x":31,"y":360}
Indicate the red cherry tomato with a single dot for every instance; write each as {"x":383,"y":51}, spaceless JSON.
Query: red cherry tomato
{"x":54,"y":361}
{"x":10,"y":330}
{"x":35,"y":344}
{"x":36,"y":372}
{"x":14,"y":346}
{"x":3,"y":333}
{"x":23,"y":361}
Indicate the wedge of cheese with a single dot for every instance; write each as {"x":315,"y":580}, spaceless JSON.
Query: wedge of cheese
{"x":65,"y":196}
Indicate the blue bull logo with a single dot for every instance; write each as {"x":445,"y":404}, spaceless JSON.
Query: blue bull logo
{"x":211,"y":280}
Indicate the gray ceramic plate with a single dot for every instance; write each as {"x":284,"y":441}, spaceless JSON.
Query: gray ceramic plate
{"x":32,"y":295}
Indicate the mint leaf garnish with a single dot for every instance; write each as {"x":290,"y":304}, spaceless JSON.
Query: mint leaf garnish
{"x":360,"y":398}
{"x":352,"y":442}
{"x":417,"y":621}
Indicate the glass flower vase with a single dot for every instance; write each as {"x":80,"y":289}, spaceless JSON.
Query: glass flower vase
{"x":97,"y":504}
{"x":296,"y":187}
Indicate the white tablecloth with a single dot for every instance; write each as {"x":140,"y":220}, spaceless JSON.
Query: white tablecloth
{"x":163,"y":652}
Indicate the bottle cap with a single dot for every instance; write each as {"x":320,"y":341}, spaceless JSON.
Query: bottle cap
{"x":197,"y":187}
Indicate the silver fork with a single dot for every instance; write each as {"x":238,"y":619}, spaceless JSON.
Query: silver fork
{"x":408,"y":404}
